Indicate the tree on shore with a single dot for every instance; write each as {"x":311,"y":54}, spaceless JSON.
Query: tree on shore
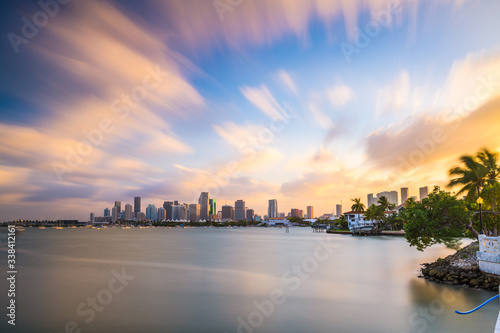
{"x":375,"y":213}
{"x":478,"y":177}
{"x":439,"y":218}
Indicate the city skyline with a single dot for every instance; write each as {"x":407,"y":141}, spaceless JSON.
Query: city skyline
{"x":240,"y":211}
{"x":313,"y":103}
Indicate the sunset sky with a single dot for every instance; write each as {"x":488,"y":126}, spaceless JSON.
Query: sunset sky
{"x":308,"y":102}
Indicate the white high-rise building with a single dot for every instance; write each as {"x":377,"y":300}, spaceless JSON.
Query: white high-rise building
{"x":272,"y":210}
{"x":129,"y":212}
{"x":114,"y":214}
{"x":393,"y":197}
{"x":424,"y":192}
{"x":404,"y":194}
{"x":310,"y":212}
{"x":338,"y":209}
{"x":372,"y":200}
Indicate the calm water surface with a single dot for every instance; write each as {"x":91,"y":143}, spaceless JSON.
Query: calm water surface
{"x":231,"y":280}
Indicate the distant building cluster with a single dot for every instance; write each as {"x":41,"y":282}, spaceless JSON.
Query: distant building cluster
{"x":392,"y":196}
{"x":204,"y":210}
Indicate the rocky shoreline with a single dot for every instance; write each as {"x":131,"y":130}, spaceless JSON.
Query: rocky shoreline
{"x":461,"y":268}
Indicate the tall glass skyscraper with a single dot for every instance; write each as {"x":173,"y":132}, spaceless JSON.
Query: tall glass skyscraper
{"x":212,"y":207}
{"x":137,"y":205}
{"x":167,"y":205}
{"x":203,"y":202}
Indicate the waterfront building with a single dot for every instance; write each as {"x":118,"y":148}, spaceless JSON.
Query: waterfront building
{"x":338,"y":211}
{"x":141,"y":216}
{"x":107,"y":212}
{"x":276,"y":221}
{"x":294,"y":212}
{"x":249,"y":214}
{"x":424,"y":192}
{"x":310,"y":212}
{"x":301,"y":213}
{"x":92,"y":218}
{"x":114,"y":214}
{"x":128,"y":212}
{"x":282,"y":215}
{"x":195,"y":211}
{"x":239,"y":210}
{"x":227,"y":213}
{"x":137,"y":205}
{"x":151,"y":212}
{"x":161,"y":215}
{"x":272,"y":209}
{"x":404,"y":194}
{"x":118,"y":205}
{"x":203,"y":202}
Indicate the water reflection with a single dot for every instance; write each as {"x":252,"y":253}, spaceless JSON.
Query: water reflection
{"x":225,"y":280}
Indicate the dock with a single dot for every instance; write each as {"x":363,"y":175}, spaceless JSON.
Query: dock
{"x":380,"y":233}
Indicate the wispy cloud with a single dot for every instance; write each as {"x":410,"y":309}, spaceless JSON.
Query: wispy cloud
{"x":287,"y":80}
{"x":263,"y":100}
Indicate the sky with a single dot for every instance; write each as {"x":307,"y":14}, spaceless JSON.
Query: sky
{"x":310,"y":102}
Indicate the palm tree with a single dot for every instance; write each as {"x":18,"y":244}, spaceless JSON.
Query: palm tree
{"x":490,"y":161}
{"x":471,"y":177}
{"x":478,"y":171}
{"x":375,"y":213}
{"x":371,"y":213}
{"x":358,"y":206}
{"x":385,"y":204}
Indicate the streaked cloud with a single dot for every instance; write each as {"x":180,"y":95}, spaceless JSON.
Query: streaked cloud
{"x":287,"y":80}
{"x":395,"y":96}
{"x":263,"y":100}
{"x":190,"y":101}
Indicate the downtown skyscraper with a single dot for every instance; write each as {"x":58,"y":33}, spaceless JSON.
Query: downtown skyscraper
{"x":203,"y":202}
{"x":137,"y":205}
{"x":212,"y":207}
{"x":239,"y":210}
